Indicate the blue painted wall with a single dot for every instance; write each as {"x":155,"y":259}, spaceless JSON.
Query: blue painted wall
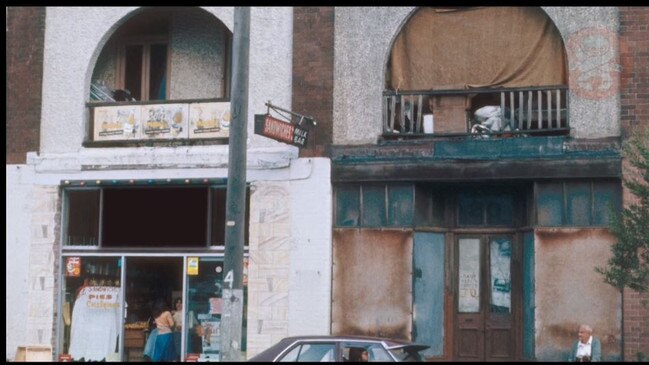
{"x":428,"y":284}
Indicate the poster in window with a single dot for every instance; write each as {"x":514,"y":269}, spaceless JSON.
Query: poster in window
{"x":73,"y":266}
{"x":164,"y":121}
{"x":209,"y":120}
{"x":469,"y":276}
{"x":192,"y":266}
{"x":116,"y":123}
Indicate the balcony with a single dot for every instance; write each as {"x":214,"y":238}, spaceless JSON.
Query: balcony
{"x":483,"y":113}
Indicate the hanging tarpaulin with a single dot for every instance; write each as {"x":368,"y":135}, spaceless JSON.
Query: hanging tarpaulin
{"x":95,"y":323}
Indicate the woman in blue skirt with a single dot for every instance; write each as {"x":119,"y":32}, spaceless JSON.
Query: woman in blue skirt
{"x":164,"y":349}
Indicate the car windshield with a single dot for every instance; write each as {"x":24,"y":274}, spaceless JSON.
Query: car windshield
{"x":405,"y":354}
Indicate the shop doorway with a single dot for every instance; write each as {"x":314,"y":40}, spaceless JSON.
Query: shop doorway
{"x":487,"y":304}
{"x":147,"y":280}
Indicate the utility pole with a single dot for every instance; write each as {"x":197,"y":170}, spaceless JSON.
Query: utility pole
{"x":232,"y":317}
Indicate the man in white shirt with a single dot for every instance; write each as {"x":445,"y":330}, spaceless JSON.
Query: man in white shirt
{"x":587,"y":348}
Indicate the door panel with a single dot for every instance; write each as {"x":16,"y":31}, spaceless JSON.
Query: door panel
{"x":485,"y":305}
{"x":428,"y":318}
{"x":469,"y":307}
{"x":499,"y":318}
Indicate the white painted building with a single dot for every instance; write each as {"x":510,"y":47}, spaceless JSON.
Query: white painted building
{"x":287,"y":250}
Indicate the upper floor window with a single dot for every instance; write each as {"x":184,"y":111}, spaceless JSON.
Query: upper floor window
{"x":446,"y":64}
{"x":142,"y":68}
{"x":172,"y":66}
{"x":166,"y":54}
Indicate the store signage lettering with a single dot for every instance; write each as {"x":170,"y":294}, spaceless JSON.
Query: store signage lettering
{"x":280,"y":130}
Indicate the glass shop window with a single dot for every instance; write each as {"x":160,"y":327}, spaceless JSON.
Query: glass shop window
{"x":91,"y":308}
{"x":140,"y":216}
{"x":204,"y":308}
{"x":83,"y":218}
{"x":218,"y":210}
{"x":576,"y":203}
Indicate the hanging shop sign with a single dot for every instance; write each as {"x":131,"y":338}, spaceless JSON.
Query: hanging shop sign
{"x":284,"y":131}
{"x":280,"y":130}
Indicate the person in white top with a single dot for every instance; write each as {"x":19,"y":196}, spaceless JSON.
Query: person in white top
{"x":587,"y":348}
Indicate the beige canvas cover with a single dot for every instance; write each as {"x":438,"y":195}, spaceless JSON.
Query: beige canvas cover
{"x":458,"y":48}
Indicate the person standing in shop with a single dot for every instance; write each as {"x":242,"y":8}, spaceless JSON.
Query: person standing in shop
{"x":164,"y":349}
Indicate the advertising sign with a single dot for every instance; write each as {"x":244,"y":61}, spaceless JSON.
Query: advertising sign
{"x":73,"y":266}
{"x":280,"y":130}
{"x":192,"y":266}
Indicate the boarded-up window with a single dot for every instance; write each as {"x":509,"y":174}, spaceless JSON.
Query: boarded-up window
{"x":477,"y":47}
{"x":372,"y":283}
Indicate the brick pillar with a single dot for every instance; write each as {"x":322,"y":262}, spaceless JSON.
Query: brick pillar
{"x":313,"y":70}
{"x":25,"y":44}
{"x":634,"y":57}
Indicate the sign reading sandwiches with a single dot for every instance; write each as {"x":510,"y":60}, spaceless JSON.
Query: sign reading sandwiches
{"x":280,"y":130}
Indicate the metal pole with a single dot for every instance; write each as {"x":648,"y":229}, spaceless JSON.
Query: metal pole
{"x":232,"y":317}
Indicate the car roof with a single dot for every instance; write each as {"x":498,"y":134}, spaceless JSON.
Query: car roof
{"x":388,"y":341}
{"x":274,"y":350}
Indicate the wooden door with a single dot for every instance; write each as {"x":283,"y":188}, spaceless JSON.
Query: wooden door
{"x":485,"y":306}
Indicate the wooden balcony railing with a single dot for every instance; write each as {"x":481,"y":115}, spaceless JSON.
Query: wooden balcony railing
{"x":532,"y":110}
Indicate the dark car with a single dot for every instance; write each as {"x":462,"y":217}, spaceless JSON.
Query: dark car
{"x":340,"y":349}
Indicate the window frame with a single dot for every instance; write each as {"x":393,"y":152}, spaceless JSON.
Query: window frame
{"x":146,"y":42}
{"x":565,"y":201}
{"x":212,"y":186}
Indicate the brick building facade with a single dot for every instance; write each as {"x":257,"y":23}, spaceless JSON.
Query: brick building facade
{"x":634,"y":57}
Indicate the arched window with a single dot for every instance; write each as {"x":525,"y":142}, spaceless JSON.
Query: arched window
{"x":166,"y":54}
{"x":168,"y":69}
{"x":480,"y":50}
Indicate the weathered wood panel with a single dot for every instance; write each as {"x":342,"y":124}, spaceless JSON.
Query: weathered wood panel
{"x":429,"y":292}
{"x":474,"y":170}
{"x":572,"y":292}
{"x":372,"y":283}
{"x":528,"y":295}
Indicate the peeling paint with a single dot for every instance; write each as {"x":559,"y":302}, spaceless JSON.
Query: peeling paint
{"x":572,"y":292}
{"x":372,"y":283}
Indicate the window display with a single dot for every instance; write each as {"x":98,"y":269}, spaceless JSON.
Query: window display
{"x":91,"y":308}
